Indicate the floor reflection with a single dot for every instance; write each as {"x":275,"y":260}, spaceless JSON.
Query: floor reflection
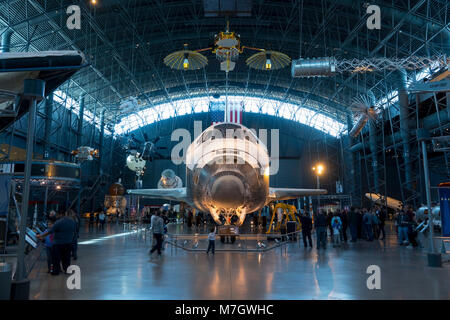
{"x":119,"y":267}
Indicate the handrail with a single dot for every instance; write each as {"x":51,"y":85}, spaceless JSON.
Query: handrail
{"x":245,"y":236}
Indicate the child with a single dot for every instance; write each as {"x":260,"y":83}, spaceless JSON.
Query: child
{"x":102,"y":219}
{"x":336,"y":224}
{"x":48,"y":243}
{"x":211,"y":240}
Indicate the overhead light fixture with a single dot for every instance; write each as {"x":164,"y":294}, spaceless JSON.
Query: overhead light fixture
{"x":186,"y":63}
{"x":268,"y":64}
{"x":319,"y":169}
{"x":185,"y":60}
{"x":94,"y":2}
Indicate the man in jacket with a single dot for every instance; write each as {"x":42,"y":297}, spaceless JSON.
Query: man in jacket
{"x":63,"y":233}
{"x":344,"y":220}
{"x":382,"y":222}
{"x":306,"y":222}
{"x":320,"y":223}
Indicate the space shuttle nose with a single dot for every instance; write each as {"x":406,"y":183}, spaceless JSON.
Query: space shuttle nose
{"x":228,"y":191}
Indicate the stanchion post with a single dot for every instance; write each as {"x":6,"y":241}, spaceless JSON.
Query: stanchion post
{"x":434,"y":258}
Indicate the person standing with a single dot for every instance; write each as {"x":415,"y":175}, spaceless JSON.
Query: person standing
{"x":320,"y":224}
{"x":157,"y":225}
{"x":63,"y":232}
{"x":344,"y":220}
{"x":375,"y":224}
{"x":306,"y":222}
{"x":211,"y":241}
{"x":403,"y":228}
{"x":76,"y":220}
{"x":102,"y":219}
{"x":48,"y":243}
{"x":359,"y":215}
{"x":336,"y":224}
{"x":353,"y":223}
{"x":329,"y":216}
{"x":368,"y":223}
{"x":382,"y":220}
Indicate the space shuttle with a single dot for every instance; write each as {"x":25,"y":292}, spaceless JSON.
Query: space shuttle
{"x":227,"y":175}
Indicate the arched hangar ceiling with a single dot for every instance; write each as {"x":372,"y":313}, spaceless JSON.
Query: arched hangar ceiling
{"x":126,"y":41}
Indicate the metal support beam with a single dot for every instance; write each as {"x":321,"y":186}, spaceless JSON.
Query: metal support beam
{"x":80,"y":120}
{"x":48,"y":126}
{"x":33,"y":90}
{"x":405,"y":127}
{"x":100,"y":142}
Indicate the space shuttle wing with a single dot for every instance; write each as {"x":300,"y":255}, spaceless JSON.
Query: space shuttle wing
{"x":290,"y":193}
{"x":175,"y":194}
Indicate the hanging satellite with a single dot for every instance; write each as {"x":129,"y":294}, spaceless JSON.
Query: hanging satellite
{"x":362,"y":107}
{"x":136,"y":163}
{"x":227,"y":48}
{"x":85,"y":154}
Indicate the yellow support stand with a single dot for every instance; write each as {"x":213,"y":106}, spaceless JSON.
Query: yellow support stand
{"x":289,"y":212}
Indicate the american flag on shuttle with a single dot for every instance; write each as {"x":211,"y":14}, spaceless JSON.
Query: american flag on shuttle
{"x":217,"y":111}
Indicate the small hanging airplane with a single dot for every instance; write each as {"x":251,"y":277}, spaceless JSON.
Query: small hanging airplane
{"x":227,"y":176}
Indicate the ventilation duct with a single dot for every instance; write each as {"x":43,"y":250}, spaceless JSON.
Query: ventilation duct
{"x":315,"y":67}
{"x":6,"y":41}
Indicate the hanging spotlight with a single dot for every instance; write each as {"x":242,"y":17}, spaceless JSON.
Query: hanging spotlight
{"x":185,"y":63}
{"x":268,"y":60}
{"x":268,"y":63}
{"x":185,"y":60}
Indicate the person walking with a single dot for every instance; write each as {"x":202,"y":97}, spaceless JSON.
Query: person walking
{"x":211,"y":241}
{"x":63,"y":232}
{"x":306,"y":222}
{"x":157,"y":225}
{"x":320,"y":224}
{"x":353,"y":223}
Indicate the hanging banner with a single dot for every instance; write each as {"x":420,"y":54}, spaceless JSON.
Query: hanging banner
{"x":5,"y":186}
{"x":444,"y":197}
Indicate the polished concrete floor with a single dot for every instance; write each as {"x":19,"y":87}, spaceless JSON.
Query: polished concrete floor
{"x":116,"y":265}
